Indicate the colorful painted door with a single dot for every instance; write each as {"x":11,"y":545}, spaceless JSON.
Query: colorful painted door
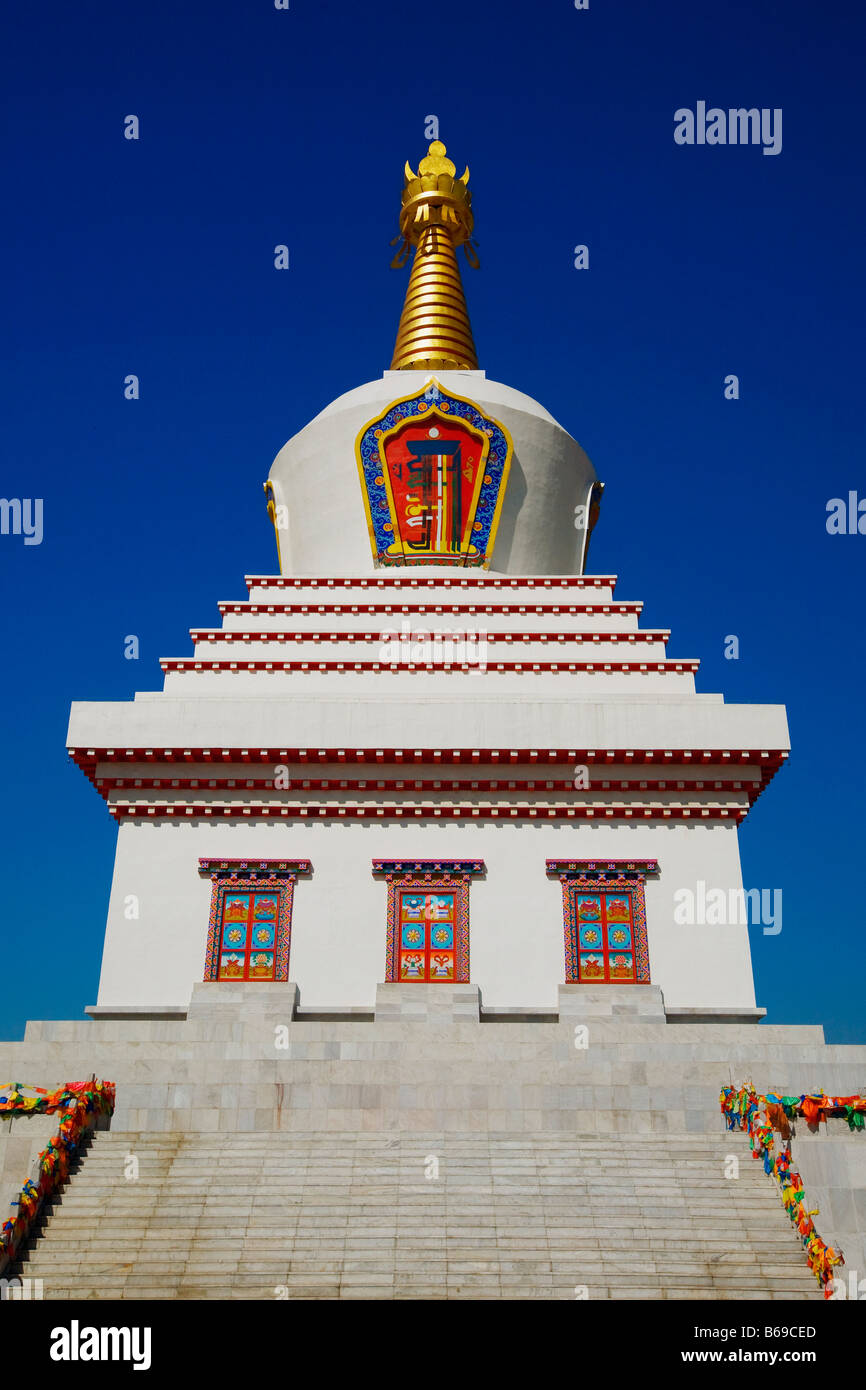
{"x":247,"y":945}
{"x":426,"y":936}
{"x":605,"y":937}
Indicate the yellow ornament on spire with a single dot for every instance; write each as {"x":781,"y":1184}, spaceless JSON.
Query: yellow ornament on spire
{"x":436,"y":218}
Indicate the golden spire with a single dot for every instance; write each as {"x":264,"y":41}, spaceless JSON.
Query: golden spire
{"x":436,"y":218}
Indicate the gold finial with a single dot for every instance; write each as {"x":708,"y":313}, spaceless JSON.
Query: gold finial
{"x":436,"y":217}
{"x":435,"y":162}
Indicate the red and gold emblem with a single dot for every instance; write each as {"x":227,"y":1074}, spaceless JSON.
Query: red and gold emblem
{"x":433,"y":472}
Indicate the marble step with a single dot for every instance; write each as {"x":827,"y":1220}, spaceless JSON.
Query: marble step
{"x":349,"y":1216}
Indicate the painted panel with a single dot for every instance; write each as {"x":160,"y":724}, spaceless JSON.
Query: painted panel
{"x":433,"y":473}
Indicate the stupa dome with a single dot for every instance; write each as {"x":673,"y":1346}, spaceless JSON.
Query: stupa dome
{"x":433,"y":465}
{"x":318,"y":498}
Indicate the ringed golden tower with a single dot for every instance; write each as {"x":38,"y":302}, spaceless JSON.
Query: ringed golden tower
{"x":436,"y":218}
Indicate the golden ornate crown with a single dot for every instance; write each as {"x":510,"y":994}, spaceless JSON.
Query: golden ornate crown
{"x":434,"y":197}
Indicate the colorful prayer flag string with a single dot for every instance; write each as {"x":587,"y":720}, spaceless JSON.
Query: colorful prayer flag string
{"x":79,"y":1103}
{"x":744,"y":1108}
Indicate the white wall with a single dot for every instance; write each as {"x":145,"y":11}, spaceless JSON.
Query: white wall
{"x":438,"y":683}
{"x":387,"y":720}
{"x":338,"y":932}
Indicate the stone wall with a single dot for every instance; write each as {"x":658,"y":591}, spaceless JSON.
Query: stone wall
{"x":832,"y":1163}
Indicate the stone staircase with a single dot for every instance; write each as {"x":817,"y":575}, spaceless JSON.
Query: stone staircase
{"x":355,"y":1215}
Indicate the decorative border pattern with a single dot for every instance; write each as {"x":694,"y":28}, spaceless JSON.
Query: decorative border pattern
{"x":599,"y":875}
{"x":463,"y":867}
{"x":455,"y":875}
{"x":601,"y":866}
{"x":371,"y":467}
{"x":229,"y":875}
{"x":289,"y":581}
{"x":371,"y":810}
{"x":666,"y":666}
{"x":254,"y":867}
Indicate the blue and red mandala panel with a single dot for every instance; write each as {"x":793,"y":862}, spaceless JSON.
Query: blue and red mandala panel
{"x":428,"y":919}
{"x":605,"y":942}
{"x":427,"y":944}
{"x":248,"y":933}
{"x":249,"y":928}
{"x":604,"y":917}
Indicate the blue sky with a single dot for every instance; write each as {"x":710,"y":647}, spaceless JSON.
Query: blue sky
{"x":261,"y":127}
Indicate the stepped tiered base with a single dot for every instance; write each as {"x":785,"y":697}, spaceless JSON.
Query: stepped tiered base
{"x":513,"y":720}
{"x":355,"y":1216}
{"x":274,"y":1151}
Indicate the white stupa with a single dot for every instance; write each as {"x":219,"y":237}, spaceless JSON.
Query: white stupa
{"x":431,"y":700}
{"x":420,"y":856}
